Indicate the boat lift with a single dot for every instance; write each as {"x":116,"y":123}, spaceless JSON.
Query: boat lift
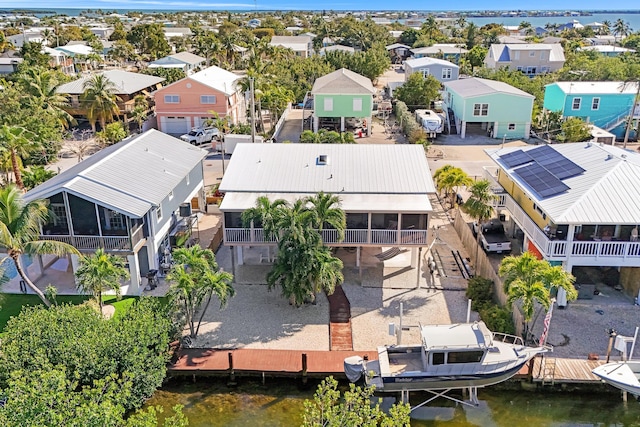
{"x":473,"y":396}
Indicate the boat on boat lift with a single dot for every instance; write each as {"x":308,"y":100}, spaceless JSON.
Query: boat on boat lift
{"x":624,"y":375}
{"x":457,"y":356}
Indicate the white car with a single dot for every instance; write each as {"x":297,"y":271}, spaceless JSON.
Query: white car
{"x":199,"y":136}
{"x":353,"y":122}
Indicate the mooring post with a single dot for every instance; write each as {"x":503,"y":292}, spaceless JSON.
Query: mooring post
{"x":232,"y":374}
{"x":304,"y":368}
{"x":612,"y":336}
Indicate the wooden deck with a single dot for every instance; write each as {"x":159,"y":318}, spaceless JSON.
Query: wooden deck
{"x":262,"y":361}
{"x":564,"y":371}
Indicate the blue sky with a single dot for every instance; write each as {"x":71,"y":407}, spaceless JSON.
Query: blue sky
{"x":406,"y":5}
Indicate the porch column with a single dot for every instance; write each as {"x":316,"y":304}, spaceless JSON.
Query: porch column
{"x":357,"y":256}
{"x":414,"y":257}
{"x":75,"y":263}
{"x":494,"y":130}
{"x":527,"y":130}
{"x":240,"y":254}
{"x":233,"y":263}
{"x":134,"y":273}
{"x":463,"y":129}
{"x":369,"y":125}
{"x":341,"y":124}
{"x":316,"y":123}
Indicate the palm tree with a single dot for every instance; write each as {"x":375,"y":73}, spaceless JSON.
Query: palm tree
{"x":19,"y":231}
{"x":621,"y":28}
{"x":100,"y":100}
{"x":326,"y":210}
{"x":19,"y":143}
{"x":430,"y":26}
{"x":606,"y":27}
{"x":450,"y":179}
{"x":267,"y":214}
{"x":195,"y":279}
{"x":101,"y":272}
{"x":479,"y":206}
{"x":41,"y":86}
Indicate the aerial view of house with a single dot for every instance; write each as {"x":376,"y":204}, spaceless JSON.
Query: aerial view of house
{"x":530,"y":58}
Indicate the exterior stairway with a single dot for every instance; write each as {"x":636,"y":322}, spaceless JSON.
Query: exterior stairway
{"x":340,"y":320}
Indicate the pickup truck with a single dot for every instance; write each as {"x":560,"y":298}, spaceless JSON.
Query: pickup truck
{"x":493,"y":237}
{"x":199,"y":136}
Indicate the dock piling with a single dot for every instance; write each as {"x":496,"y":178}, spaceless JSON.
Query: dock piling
{"x":304,"y":369}
{"x":232,"y":374}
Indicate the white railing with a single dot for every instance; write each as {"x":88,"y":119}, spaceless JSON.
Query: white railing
{"x":110,"y":243}
{"x":137,"y":236}
{"x":63,"y":239}
{"x":351,"y":237}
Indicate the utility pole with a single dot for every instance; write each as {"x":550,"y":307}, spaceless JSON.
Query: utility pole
{"x":253,"y":111}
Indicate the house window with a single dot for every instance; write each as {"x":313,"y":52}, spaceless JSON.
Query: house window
{"x":480,"y":109}
{"x":512,"y":126}
{"x":328,"y":104}
{"x":532,"y":54}
{"x":517,"y":55}
{"x":446,"y":73}
{"x":116,"y":221}
{"x":541,"y":55}
{"x":425,"y":72}
{"x":595,"y":104}
{"x":159,"y":212}
{"x":575,"y":105}
{"x":357,"y":104}
{"x":59,"y":215}
{"x":518,"y":68}
{"x":172,"y":99}
{"x":207,"y":99}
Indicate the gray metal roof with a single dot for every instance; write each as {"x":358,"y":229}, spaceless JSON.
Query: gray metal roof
{"x":350,"y":169}
{"x":606,"y":193}
{"x":129,"y":177}
{"x":343,"y":82}
{"x":188,"y":58}
{"x":217,"y":78}
{"x":421,"y":62}
{"x":124,"y":81}
{"x":468,"y":88}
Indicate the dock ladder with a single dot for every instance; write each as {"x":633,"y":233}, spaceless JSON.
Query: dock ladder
{"x":548,"y":370}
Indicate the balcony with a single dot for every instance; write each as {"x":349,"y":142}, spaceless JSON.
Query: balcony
{"x":352,"y":237}
{"x":91,"y":243}
{"x":594,"y":253}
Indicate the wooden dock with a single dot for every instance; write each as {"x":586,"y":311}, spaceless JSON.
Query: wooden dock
{"x":252,"y":362}
{"x":554,"y":370}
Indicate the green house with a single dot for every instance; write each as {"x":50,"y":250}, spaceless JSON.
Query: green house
{"x":342,"y":99}
{"x":481,"y":106}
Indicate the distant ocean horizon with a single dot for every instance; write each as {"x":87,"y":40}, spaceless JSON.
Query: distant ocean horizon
{"x":631,"y":17}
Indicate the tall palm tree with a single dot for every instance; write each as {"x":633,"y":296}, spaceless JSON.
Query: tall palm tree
{"x":479,"y":206}
{"x":606,"y":27}
{"x":101,"y":272}
{"x":19,"y":143}
{"x":621,"y":28}
{"x":325,"y":208}
{"x":430,"y":26}
{"x":19,"y":232}
{"x":100,"y":100}
{"x":195,"y":279}
{"x":267,"y":214}
{"x":41,"y":86}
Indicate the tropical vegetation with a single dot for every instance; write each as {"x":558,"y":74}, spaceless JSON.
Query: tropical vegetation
{"x":99,"y":273}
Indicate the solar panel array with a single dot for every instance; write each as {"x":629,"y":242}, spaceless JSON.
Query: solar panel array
{"x":544,"y":169}
{"x":541,"y":180}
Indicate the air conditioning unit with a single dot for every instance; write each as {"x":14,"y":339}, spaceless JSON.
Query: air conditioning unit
{"x":185,"y":210}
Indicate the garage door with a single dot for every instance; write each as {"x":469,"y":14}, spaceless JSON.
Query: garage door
{"x":175,"y":125}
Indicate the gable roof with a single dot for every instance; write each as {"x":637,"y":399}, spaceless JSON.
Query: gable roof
{"x":179,"y":58}
{"x":300,"y":42}
{"x":476,"y":86}
{"x":605,"y":193}
{"x":216,"y":78}
{"x":130,"y":177}
{"x":124,"y":81}
{"x":423,"y":62}
{"x":592,"y":88}
{"x":448,"y":48}
{"x":502,"y":52}
{"x":398,"y":45}
{"x":365,"y":176}
{"x":343,"y":82}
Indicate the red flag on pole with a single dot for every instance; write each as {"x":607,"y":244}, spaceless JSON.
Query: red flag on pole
{"x":547,"y":321}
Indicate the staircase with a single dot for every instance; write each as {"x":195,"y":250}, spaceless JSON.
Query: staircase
{"x":548,"y":370}
{"x":340,"y":321}
{"x":452,"y":122}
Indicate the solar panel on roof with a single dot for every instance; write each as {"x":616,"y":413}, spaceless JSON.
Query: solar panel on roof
{"x":515,"y":158}
{"x":540,"y":180}
{"x":555,"y":162}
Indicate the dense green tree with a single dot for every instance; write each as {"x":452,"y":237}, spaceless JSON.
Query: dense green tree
{"x":99,"y":273}
{"x":418,"y":92}
{"x":479,"y":206}
{"x":476,"y":56}
{"x":111,"y":133}
{"x":195,"y":279}
{"x":41,"y":91}
{"x":33,"y":56}
{"x":409,"y":36}
{"x":574,"y":129}
{"x":35,"y":176}
{"x":171,"y":75}
{"x":131,"y":347}
{"x":19,"y":231}
{"x":356,"y":407}
{"x":149,"y":40}
{"x":119,"y":33}
{"x":20,"y":144}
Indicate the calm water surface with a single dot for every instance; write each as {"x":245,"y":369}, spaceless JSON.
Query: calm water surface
{"x":210,"y":403}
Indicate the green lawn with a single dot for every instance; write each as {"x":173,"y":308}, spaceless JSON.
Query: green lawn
{"x":11,"y":304}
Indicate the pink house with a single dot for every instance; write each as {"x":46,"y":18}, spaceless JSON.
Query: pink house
{"x":189,"y":102}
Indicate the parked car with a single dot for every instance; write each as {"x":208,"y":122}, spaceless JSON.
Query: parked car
{"x":493,"y":237}
{"x":199,"y":136}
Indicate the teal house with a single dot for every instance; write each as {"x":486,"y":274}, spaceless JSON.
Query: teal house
{"x":605,"y":104}
{"x":340,"y":98}
{"x":487,"y":107}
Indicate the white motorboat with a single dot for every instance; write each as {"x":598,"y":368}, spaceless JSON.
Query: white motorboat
{"x":624,"y":375}
{"x":464,"y":355}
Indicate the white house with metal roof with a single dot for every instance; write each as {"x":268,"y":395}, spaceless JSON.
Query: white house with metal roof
{"x":301,"y":45}
{"x":133,"y":199}
{"x":186,"y":61}
{"x":578,"y":204}
{"x":442,"y":70}
{"x":383,"y":189}
{"x":529,"y":58}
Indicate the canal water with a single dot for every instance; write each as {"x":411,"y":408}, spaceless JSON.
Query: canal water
{"x":210,"y":403}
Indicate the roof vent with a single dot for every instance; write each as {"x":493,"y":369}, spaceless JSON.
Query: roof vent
{"x":323,"y":159}
{"x":609,"y":157}
{"x":624,"y":156}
